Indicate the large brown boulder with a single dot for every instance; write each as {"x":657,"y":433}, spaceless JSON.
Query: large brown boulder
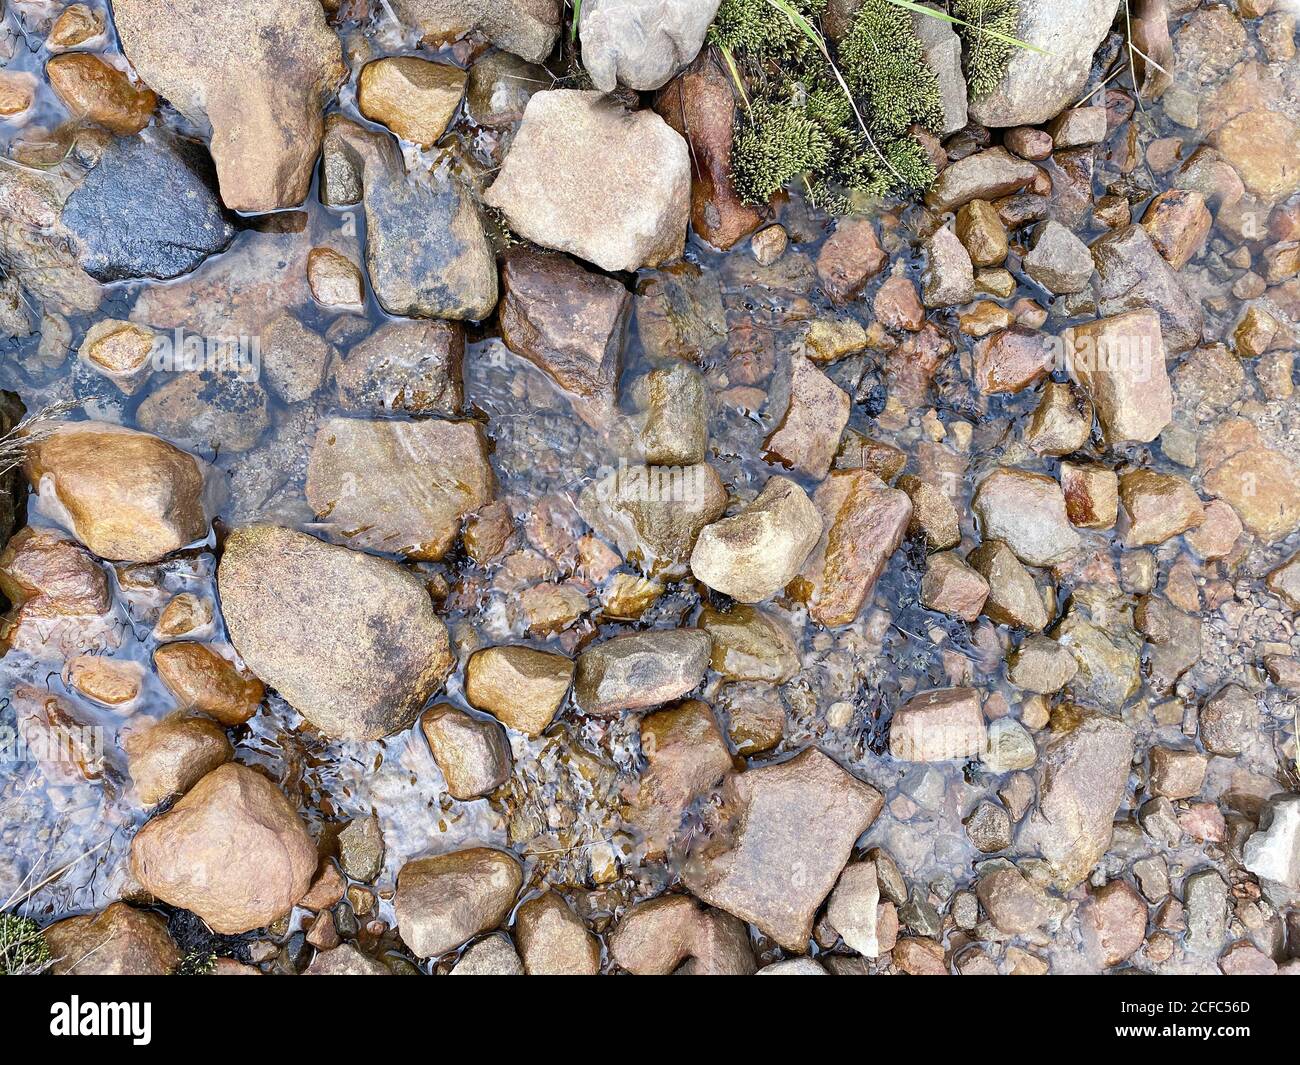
{"x":349,"y":640}
{"x":118,"y":941}
{"x":233,"y":850}
{"x":266,"y":122}
{"x":127,"y":496}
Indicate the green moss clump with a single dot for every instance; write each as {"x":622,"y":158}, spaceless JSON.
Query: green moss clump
{"x":986,"y":56}
{"x":883,"y":61}
{"x":23,"y":949}
{"x":761,"y":31}
{"x":197,"y":963}
{"x":775,"y":143}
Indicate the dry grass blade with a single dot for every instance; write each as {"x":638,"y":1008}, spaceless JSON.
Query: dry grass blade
{"x":943,"y":16}
{"x":14,"y":444}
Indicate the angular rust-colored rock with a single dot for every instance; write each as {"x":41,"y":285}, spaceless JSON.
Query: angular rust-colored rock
{"x":982,"y":233}
{"x":1091,"y":495}
{"x":987,"y":175}
{"x":473,"y":754}
{"x":756,"y":553}
{"x":864,"y":522}
{"x":1026,"y":511}
{"x":809,"y":432}
{"x":850,"y":257}
{"x":94,"y":90}
{"x":1082,"y":777}
{"x":666,"y":934}
{"x":349,"y":640}
{"x":521,"y":687}
{"x":413,"y":97}
{"x":569,"y":322}
{"x":640,"y":669}
{"x":400,"y":487}
{"x":790,"y":830}
{"x":951,"y":587}
{"x":1263,"y":146}
{"x":201,"y":681}
{"x":686,"y":755}
{"x":1262,"y":485}
{"x":1157,"y":507}
{"x":700,"y":104}
{"x":1113,"y":922}
{"x":173,"y":755}
{"x":1179,"y":224}
{"x":445,"y":900}
{"x":129,"y":496}
{"x":933,"y":514}
{"x":1120,"y":363}
{"x":938,"y":726}
{"x":233,"y":850}
{"x":53,"y":576}
{"x":117,"y":941}
{"x":1132,"y":276}
{"x":267,"y":122}
{"x":1011,"y":361}
{"x":1284,"y":582}
{"x":898,"y":305}
{"x":553,"y":941}
{"x":1177,"y":774}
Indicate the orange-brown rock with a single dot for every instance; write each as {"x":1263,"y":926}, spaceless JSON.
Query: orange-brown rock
{"x":202,"y":681}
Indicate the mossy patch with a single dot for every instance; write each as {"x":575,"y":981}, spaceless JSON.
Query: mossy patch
{"x":801,"y":123}
{"x":986,"y":56}
{"x":23,"y":950}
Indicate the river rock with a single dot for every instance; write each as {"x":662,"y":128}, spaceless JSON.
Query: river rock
{"x":1106,"y":649}
{"x":126,"y":495}
{"x":405,"y":368}
{"x":493,"y":955}
{"x":793,"y":827}
{"x":1038,"y":85}
{"x":952,"y":587}
{"x":569,"y":322}
{"x":938,"y":726}
{"x":1134,"y":276}
{"x":207,"y":412}
{"x":1179,"y":224}
{"x":756,"y":553}
{"x":586,"y":177}
{"x":654,"y":514}
{"x":864,"y":522}
{"x":1012,"y":360}
{"x":700,"y":105}
{"x":519,"y":686}
{"x":553,"y":940}
{"x":949,"y":277}
{"x":1273,"y":852}
{"x":529,"y":28}
{"x":1041,"y":665}
{"x":640,"y":669}
{"x":1082,"y":778}
{"x":1284,"y":582}
{"x":816,"y":412}
{"x":1157,"y":507}
{"x":1228,"y":721}
{"x":149,"y":208}
{"x":849,"y":258}
{"x":1061,"y":423}
{"x":233,"y":850}
{"x":500,"y":86}
{"x":686,"y":755}
{"x":641,"y":43}
{"x":473,"y":753}
{"x":1262,"y":147}
{"x":1014,"y":598}
{"x":1058,"y":260}
{"x":445,"y":900}
{"x":344,"y":960}
{"x":750,"y":644}
{"x":99,"y":92}
{"x":202,"y":681}
{"x":676,"y":429}
{"x":118,"y":941}
{"x":1026,"y":511}
{"x":398,"y":487}
{"x":349,"y":640}
{"x":670,"y":933}
{"x":1014,"y":905}
{"x":1205,"y":899}
{"x":173,"y":755}
{"x":1113,"y":922}
{"x":267,"y":122}
{"x":987,"y":175}
{"x":1120,"y":362}
{"x":1262,"y":485}
{"x":413,"y":97}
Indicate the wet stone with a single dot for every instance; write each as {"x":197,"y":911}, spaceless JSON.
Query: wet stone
{"x":553,"y":940}
{"x":404,"y":368}
{"x":1026,"y":511}
{"x":640,"y":670}
{"x":473,"y":753}
{"x":938,"y":726}
{"x":1228,"y":719}
{"x":442,"y":902}
{"x":750,"y":644}
{"x":413,"y":97}
{"x":989,"y":828}
{"x":173,"y":755}
{"x":1092,"y":495}
{"x":952,"y":587}
{"x":1014,"y":598}
{"x":808,"y":434}
{"x":1114,"y":923}
{"x":521,"y":687}
{"x":1157,"y":507}
{"x":1041,"y":665}
{"x":1058,"y":260}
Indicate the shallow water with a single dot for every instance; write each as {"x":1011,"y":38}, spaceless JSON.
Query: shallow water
{"x":560,"y":811}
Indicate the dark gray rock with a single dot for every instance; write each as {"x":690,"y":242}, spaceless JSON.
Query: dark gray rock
{"x":149,"y":209}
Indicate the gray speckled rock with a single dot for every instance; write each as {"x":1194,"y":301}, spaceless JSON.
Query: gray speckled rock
{"x":1027,"y":512}
{"x":1039,"y":85}
{"x":1273,"y":853}
{"x":642,"y":43}
{"x":148,"y":209}
{"x":640,"y":670}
